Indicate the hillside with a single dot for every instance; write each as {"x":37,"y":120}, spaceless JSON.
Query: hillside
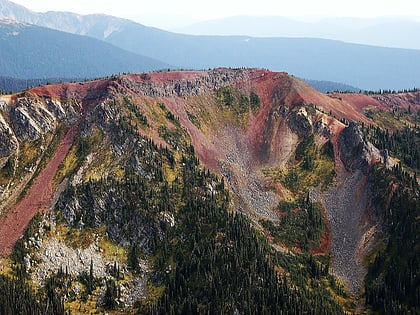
{"x":217,"y":191}
{"x":33,"y":52}
{"x":376,"y":31}
{"x":366,"y":67}
{"x":96,"y":25}
{"x":9,"y":85}
{"x":328,"y":86}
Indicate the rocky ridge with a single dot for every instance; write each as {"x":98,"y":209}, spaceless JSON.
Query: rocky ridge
{"x":196,"y":84}
{"x":52,"y":254}
{"x":349,"y":208}
{"x":26,"y":121}
{"x":356,"y":153}
{"x":268,"y":138}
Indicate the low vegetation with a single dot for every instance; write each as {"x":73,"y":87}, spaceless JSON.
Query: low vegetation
{"x":403,"y":143}
{"x":139,"y":198}
{"x":312,"y":167}
{"x":301,"y":225}
{"x":236,"y":105}
{"x":392,"y":283}
{"x":176,"y":216}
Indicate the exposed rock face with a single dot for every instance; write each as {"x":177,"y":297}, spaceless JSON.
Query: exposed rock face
{"x":345,"y":205}
{"x":353,"y":149}
{"x":300,"y":123}
{"x":356,"y":153}
{"x":30,"y":119}
{"x":321,"y":127}
{"x":51,"y":253}
{"x":268,"y":140}
{"x":203,"y":82}
{"x":55,"y":255}
{"x":25,"y":118}
{"x":8,"y":141}
{"x":96,"y":210}
{"x":349,"y":206}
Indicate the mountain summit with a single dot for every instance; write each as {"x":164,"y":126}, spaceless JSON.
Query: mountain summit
{"x":96,"y":25}
{"x":171,"y":190}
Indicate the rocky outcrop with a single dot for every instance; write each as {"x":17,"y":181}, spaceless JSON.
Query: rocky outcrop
{"x":54,"y":255}
{"x":30,"y":117}
{"x":407,"y":101}
{"x":50,"y":252}
{"x":353,"y":149}
{"x":205,"y":81}
{"x":8,"y":141}
{"x":83,"y":206}
{"x":356,"y":153}
{"x":345,"y":205}
{"x":269,"y":139}
{"x":349,"y":206}
{"x":321,"y":127}
{"x":300,"y":123}
{"x":24,"y":119}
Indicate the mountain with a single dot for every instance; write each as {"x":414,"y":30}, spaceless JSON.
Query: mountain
{"x":9,"y":85}
{"x":328,"y":86}
{"x":29,"y":51}
{"x":12,"y":85}
{"x":217,"y":191}
{"x":367,"y":67}
{"x":380,"y":31}
{"x":96,"y":25}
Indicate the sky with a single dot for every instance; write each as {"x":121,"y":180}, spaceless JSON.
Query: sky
{"x":169,"y":14}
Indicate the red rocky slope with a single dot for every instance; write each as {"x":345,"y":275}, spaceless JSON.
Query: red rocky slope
{"x":239,"y":148}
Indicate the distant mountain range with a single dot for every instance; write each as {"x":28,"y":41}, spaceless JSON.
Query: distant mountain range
{"x":97,"y":25}
{"x":29,"y":51}
{"x":328,"y":86}
{"x":396,"y":32}
{"x":367,"y":67}
{"x":12,"y":85}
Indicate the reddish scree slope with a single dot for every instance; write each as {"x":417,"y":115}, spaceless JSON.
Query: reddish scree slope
{"x":268,"y":85}
{"x":38,"y":197}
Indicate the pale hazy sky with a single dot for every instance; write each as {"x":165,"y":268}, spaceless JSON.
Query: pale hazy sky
{"x":172,"y":13}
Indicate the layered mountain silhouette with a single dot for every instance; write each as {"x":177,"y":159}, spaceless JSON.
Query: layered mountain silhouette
{"x":29,"y":51}
{"x":226,"y":190}
{"x":367,"y":67}
{"x":397,"y":32}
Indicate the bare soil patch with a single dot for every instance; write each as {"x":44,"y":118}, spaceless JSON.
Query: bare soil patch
{"x":38,"y":198}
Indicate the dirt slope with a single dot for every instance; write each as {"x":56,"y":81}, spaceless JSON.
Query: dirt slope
{"x":238,"y":152}
{"x":38,"y":198}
